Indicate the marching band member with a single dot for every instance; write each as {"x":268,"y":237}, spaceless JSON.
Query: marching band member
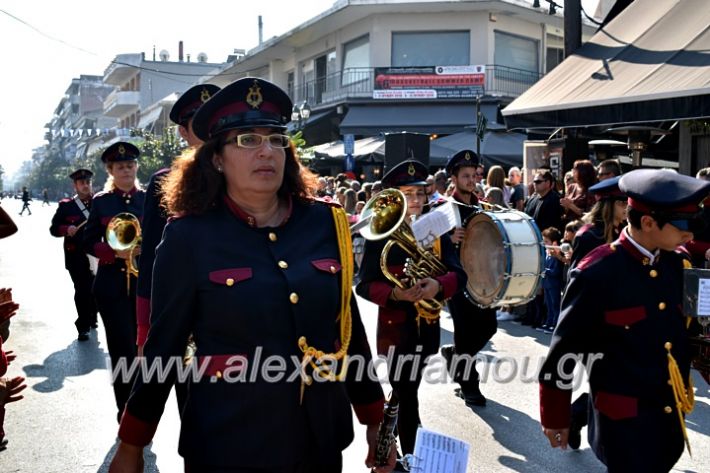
{"x":68,"y":222}
{"x":634,"y":339}
{"x":154,"y":216}
{"x":473,"y":326}
{"x":115,"y":299}
{"x":254,"y":269}
{"x":401,"y":326}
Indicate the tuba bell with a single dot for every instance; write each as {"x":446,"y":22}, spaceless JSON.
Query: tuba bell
{"x":385,"y":214}
{"x":123,"y":232}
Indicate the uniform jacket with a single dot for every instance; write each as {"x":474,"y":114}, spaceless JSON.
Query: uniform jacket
{"x":620,"y":306}
{"x":396,"y":319}
{"x":154,"y":220}
{"x":249,"y":291}
{"x":111,"y":278}
{"x":68,"y":214}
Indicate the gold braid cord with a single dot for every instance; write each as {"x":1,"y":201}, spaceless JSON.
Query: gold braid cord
{"x":311,"y":355}
{"x":684,"y":399}
{"x":429,"y":316}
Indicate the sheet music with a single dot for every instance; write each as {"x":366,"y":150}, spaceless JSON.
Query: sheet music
{"x":432,"y":225}
{"x":437,"y":453}
{"x":703,"y":297}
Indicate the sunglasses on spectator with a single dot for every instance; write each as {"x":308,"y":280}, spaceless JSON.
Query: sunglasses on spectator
{"x":538,"y":181}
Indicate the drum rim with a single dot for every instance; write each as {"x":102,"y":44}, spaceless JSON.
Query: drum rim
{"x":503,"y":285}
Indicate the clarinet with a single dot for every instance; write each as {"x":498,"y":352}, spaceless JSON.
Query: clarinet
{"x":385,"y":434}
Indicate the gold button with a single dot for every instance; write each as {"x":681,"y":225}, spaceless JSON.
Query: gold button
{"x":389,"y":322}
{"x":293,"y":298}
{"x":272,"y":236}
{"x":667,"y":409}
{"x":218,"y":374}
{"x":653,"y":273}
{"x":128,"y":201}
{"x":283,"y":264}
{"x":123,"y":269}
{"x":626,"y":327}
{"x":662,"y":306}
{"x":332,"y":269}
{"x":230,"y":282}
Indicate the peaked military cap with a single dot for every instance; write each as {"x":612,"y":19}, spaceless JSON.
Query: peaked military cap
{"x":246,"y":103}
{"x":120,"y":151}
{"x":465,"y":157}
{"x":608,"y":189}
{"x":190,"y":101}
{"x":406,"y":173}
{"x":81,"y":174}
{"x":664,"y":192}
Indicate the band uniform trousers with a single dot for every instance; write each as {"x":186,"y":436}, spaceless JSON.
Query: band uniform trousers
{"x":116,"y":302}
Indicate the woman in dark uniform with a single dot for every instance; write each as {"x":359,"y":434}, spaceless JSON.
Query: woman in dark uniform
{"x":115,"y":297}
{"x":602,"y":223}
{"x":256,"y":270}
{"x":401,"y":328}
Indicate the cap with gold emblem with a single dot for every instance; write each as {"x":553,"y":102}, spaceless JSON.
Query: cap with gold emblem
{"x":406,"y":173}
{"x":120,"y":151}
{"x":247,"y":103}
{"x":190,"y":101}
{"x":463,"y":158}
{"x":81,"y":174}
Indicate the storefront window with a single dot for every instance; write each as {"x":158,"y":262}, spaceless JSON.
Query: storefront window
{"x":516,"y":52}
{"x":356,"y":56}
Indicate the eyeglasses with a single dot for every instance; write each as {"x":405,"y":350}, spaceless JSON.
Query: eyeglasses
{"x":538,"y":181}
{"x":254,"y":140}
{"x":600,"y":174}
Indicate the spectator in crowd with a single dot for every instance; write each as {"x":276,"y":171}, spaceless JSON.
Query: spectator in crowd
{"x":568,"y":181}
{"x":367,"y":187}
{"x":355,"y":185}
{"x":517,"y":196}
{"x":552,"y":282}
{"x":340,"y":195}
{"x":376,"y":187}
{"x":578,"y":200}
{"x":607,"y":169}
{"x":330,"y":186}
{"x":322,"y":187}
{"x":441,"y":181}
{"x":361,"y":196}
{"x":431,"y":191}
{"x":699,"y":246}
{"x":496,"y":178}
{"x":480,"y":189}
{"x":495,"y":196}
{"x":704,"y":174}
{"x":350,"y":201}
{"x":544,"y":205}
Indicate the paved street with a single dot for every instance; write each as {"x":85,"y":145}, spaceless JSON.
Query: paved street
{"x":66,"y":421}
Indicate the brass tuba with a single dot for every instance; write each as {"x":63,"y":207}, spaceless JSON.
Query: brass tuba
{"x":386,"y":214}
{"x":123,"y":232}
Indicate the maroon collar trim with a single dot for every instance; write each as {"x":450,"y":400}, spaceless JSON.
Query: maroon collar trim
{"x":250,"y":219}
{"x":625,"y":242}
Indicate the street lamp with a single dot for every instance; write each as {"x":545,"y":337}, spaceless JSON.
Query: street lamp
{"x":300,"y":114}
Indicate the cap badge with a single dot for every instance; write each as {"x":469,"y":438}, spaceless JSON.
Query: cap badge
{"x":205,"y":95}
{"x":467,"y":157}
{"x":254,"y":97}
{"x":410,"y":170}
{"x":121,"y":149}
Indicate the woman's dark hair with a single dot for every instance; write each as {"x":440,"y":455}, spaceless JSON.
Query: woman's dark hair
{"x":193,"y":185}
{"x":586,"y":173}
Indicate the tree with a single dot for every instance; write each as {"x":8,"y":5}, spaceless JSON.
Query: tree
{"x":157,"y":152}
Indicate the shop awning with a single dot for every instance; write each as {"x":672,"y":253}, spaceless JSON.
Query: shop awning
{"x":651,"y":63}
{"x":363,"y":148}
{"x":501,"y":148}
{"x":147,"y":119}
{"x":443,"y":118}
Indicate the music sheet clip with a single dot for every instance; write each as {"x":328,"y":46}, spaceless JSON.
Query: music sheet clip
{"x":437,"y":453}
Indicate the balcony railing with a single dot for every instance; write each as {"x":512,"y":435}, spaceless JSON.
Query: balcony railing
{"x":120,"y":103}
{"x":358,"y":83}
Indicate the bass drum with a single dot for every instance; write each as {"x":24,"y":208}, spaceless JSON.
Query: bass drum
{"x":503,"y":255}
